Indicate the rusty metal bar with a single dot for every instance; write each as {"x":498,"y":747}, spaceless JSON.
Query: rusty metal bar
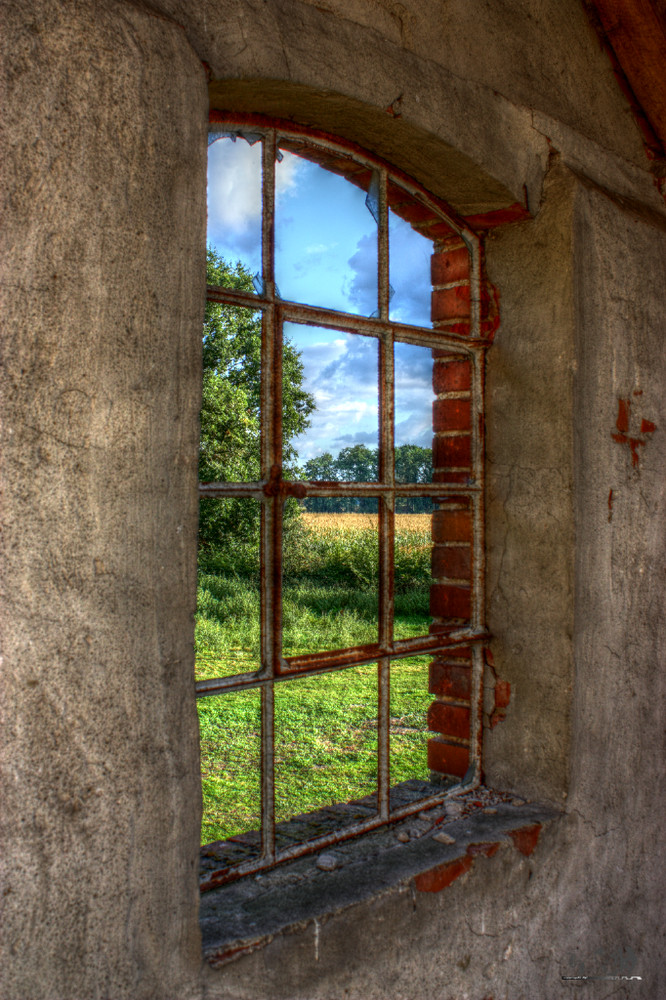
{"x":344,"y":148}
{"x":271,"y":490}
{"x":364,"y":325}
{"x":235,"y":297}
{"x":383,"y":285}
{"x":478,"y":558}
{"x":271,"y":523}
{"x":337,"y":489}
{"x":230,"y":874}
{"x":340,"y":659}
{"x":231,"y":490}
{"x":269,"y":151}
{"x":386,"y":475}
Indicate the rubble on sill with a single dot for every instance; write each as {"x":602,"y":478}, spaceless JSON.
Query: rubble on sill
{"x":429,"y":850}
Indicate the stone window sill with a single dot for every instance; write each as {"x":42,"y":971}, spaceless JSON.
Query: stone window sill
{"x":430,"y":851}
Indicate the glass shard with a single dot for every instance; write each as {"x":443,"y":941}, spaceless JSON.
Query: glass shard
{"x":414,"y":228}
{"x":325,"y":238}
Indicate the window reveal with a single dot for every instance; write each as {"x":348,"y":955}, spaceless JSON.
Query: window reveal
{"x":386,"y":320}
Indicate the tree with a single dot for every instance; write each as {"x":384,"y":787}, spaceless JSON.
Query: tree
{"x":230,"y":410}
{"x":413,"y":464}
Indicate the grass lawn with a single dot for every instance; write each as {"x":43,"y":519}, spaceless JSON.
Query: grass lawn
{"x":325,"y":725}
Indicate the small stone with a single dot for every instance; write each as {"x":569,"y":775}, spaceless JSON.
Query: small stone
{"x":490,"y":812}
{"x":517,"y":802}
{"x":327,"y":862}
{"x":443,"y":838}
{"x":403,"y":837}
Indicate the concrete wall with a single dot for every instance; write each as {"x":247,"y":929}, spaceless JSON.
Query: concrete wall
{"x":102,"y":283}
{"x":102,"y":296}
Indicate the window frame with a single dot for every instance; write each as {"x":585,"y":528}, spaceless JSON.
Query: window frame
{"x":271,"y":490}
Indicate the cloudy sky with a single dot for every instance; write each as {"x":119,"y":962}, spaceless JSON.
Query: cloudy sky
{"x":326,"y":255}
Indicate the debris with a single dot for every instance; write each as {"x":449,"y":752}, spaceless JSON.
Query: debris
{"x":327,"y":862}
{"x":403,"y":837}
{"x":443,"y":838}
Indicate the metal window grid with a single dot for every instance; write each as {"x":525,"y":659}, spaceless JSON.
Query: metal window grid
{"x":272,"y":490}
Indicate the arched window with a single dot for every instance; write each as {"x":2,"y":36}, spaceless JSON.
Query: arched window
{"x":340,"y":621}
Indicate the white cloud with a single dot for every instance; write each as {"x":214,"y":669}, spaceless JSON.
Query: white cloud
{"x":234,"y":185}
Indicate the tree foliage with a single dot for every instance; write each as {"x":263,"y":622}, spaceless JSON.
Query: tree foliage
{"x":231,"y":400}
{"x":359,"y":463}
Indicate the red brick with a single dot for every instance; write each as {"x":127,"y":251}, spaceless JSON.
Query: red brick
{"x":452,"y":451}
{"x":488,"y":849}
{"x":438,"y":878}
{"x":452,"y":415}
{"x":452,"y":561}
{"x":502,"y":694}
{"x":526,"y":837}
{"x":451,"y":376}
{"x":450,"y":601}
{"x":452,"y":680}
{"x":439,"y":231}
{"x":449,"y":720}
{"x":442,"y":476}
{"x":451,"y":526}
{"x":450,"y":303}
{"x":449,"y":265}
{"x":448,"y":758}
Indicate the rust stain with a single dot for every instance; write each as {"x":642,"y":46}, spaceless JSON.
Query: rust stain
{"x":623,"y":409}
{"x":488,"y":849}
{"x":443,"y":875}
{"x":525,"y":838}
{"x":623,"y":437}
{"x":610,"y":505}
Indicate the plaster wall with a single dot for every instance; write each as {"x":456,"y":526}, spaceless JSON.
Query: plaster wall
{"x":104,"y":175}
{"x":102,"y":281}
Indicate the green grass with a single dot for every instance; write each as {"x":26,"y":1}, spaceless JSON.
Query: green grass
{"x":325,"y":725}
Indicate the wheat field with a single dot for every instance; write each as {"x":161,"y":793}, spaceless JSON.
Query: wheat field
{"x":403,"y":522}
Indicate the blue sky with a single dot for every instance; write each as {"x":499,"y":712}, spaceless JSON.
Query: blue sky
{"x":326,"y":254}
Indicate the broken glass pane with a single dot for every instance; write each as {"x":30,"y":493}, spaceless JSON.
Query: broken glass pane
{"x":325,"y":753}
{"x":412,"y":569}
{"x":227,"y":624}
{"x":325,"y":236}
{"x":230,"y":733}
{"x":330,"y":575}
{"x":234,"y":211}
{"x":408,"y":726}
{"x":230,"y":407}
{"x":413,"y":229}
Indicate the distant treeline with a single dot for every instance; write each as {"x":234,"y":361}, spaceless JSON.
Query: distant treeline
{"x":359,"y":464}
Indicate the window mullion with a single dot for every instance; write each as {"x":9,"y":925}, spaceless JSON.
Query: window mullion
{"x":386,"y":507}
{"x":271,"y":513}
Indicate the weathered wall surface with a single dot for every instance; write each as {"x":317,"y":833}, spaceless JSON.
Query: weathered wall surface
{"x":579,"y":632}
{"x":529,"y":506}
{"x":104,"y":158}
{"x":102,"y":301}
